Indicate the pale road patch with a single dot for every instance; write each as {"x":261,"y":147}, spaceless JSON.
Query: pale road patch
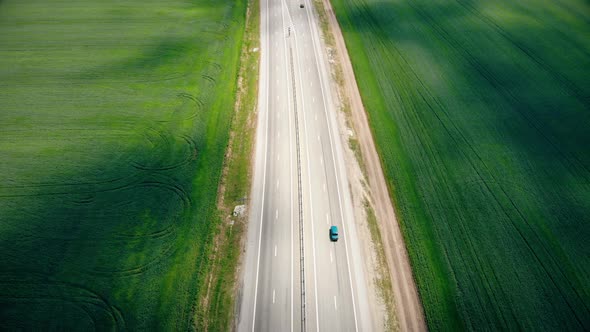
{"x":408,"y":308}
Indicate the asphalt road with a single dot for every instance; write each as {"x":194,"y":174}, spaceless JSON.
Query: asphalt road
{"x":294,"y":277}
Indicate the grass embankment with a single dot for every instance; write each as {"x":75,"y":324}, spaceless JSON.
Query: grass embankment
{"x":218,"y":303}
{"x":480,"y":114}
{"x":114,"y":122}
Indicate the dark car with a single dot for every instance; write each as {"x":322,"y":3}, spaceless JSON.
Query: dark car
{"x":301,"y":5}
{"x":334,"y":233}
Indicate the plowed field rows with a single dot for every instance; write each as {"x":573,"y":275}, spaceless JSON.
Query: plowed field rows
{"x":481,"y":115}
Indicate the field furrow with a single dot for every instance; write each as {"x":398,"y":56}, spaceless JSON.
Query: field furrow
{"x":480,"y":115}
{"x":114,"y":122}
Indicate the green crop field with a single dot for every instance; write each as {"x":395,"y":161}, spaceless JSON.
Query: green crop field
{"x":481,"y":114}
{"x":114,"y":120}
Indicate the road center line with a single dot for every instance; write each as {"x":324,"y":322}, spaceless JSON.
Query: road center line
{"x":310,"y":191}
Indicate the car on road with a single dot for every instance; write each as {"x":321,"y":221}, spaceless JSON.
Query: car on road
{"x":334,"y":233}
{"x":301,"y":5}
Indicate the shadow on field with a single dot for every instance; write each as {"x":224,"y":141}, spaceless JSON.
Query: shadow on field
{"x":490,"y":103}
{"x":68,"y":242}
{"x":111,"y":163}
{"x":153,"y":64}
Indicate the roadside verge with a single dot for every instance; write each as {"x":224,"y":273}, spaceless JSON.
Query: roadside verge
{"x":215,"y":308}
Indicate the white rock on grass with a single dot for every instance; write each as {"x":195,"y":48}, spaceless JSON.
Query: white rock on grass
{"x":239,"y":210}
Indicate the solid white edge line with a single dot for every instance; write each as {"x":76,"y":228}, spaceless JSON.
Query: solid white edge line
{"x":264,"y":174}
{"x":322,"y":84}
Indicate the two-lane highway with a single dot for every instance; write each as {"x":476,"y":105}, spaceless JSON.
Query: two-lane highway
{"x":294,"y":277}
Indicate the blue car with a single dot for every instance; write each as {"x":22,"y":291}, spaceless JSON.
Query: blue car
{"x":334,"y":233}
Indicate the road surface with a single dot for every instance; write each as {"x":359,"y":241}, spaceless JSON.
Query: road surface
{"x":294,"y":277}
